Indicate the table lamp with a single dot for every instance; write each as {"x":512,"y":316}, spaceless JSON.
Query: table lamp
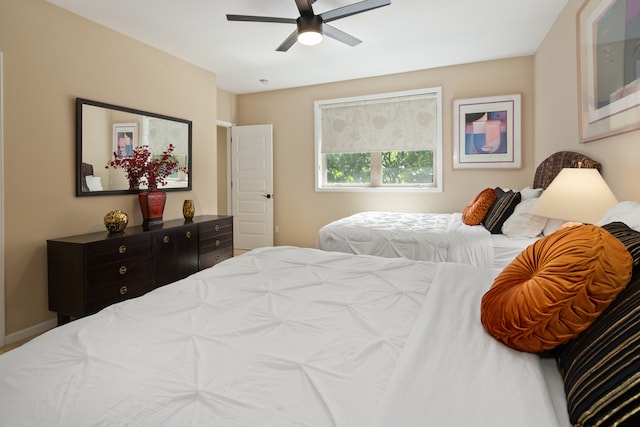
{"x":576,"y":194}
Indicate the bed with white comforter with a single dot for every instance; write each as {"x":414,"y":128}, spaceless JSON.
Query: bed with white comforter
{"x":441,"y":237}
{"x":433,"y":237}
{"x":285,"y":337}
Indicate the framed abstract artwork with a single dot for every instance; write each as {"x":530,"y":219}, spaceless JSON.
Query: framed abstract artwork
{"x":487,"y":132}
{"x":608,"y":45}
{"x":125,"y":138}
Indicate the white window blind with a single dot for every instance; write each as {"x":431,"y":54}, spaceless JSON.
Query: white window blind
{"x":397,"y":122}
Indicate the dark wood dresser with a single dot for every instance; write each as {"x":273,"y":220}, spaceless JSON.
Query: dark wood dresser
{"x":91,"y":271}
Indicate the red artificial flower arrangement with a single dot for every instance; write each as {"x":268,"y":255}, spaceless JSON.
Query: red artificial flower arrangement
{"x":143,"y":167}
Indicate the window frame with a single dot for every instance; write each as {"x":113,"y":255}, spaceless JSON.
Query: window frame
{"x":320,"y":164}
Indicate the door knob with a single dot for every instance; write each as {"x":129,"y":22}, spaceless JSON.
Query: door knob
{"x":268,"y":196}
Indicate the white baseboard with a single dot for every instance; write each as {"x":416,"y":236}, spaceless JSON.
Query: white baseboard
{"x":31,"y":332}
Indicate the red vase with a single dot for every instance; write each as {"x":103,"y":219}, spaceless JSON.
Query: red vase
{"x":152,"y":206}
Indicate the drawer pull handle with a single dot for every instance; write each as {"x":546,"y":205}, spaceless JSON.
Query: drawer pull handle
{"x":123,"y":290}
{"x":122,"y":270}
{"x":165,"y":239}
{"x":217,"y":242}
{"x":188,"y":234}
{"x":122,"y":249}
{"x":217,"y":227}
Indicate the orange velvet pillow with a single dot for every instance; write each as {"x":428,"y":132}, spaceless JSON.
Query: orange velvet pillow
{"x":556,"y":288}
{"x":475,"y":211}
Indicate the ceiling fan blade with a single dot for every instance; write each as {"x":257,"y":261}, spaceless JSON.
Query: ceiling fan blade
{"x":289,"y":41}
{"x":339,"y":35}
{"x":304,"y":7}
{"x":352,"y":9}
{"x":260,"y":19}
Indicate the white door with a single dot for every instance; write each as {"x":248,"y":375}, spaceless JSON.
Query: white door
{"x":252,"y":186}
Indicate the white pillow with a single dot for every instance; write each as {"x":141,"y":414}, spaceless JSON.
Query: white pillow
{"x":627,"y":212}
{"x":94,"y":183}
{"x":552,"y":226}
{"x":522,"y":223}
{"x":530,"y":193}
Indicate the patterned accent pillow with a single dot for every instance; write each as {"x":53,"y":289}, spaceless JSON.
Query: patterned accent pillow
{"x":601,"y":366}
{"x":555,"y":288}
{"x":629,"y":237}
{"x":501,"y":209}
{"x":475,"y":211}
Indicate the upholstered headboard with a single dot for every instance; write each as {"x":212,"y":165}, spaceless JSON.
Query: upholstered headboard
{"x":552,"y":165}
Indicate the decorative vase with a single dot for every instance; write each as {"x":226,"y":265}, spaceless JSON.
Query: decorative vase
{"x":188,"y":210}
{"x":152,"y":206}
{"x":116,"y":221}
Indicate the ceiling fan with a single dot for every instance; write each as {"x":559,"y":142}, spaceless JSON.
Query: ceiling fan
{"x":311,"y":27}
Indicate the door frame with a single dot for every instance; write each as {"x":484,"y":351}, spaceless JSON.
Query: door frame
{"x":227,"y":126}
{"x":3,"y":330}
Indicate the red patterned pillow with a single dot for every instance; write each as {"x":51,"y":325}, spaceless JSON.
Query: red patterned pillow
{"x":556,"y":288}
{"x":475,"y":211}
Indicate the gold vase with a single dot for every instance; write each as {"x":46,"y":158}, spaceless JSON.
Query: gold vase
{"x":188,"y":210}
{"x":116,"y":221}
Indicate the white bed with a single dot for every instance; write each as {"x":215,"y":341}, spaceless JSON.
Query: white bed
{"x":433,"y":237}
{"x":286,"y":337}
{"x":444,"y":236}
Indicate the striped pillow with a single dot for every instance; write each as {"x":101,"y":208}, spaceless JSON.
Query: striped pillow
{"x":601,"y":366}
{"x":500,"y":210}
{"x":629,"y":237}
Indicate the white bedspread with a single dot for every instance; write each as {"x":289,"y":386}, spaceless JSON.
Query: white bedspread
{"x":283,"y":337}
{"x":452,"y":373}
{"x":275,"y":337}
{"x":427,"y":237}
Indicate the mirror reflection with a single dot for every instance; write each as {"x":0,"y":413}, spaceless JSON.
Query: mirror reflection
{"x":106,"y":131}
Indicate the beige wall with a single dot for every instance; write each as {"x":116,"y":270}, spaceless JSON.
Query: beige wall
{"x":299,"y":211}
{"x":227,"y":106}
{"x":556,"y":111}
{"x":50,"y":58}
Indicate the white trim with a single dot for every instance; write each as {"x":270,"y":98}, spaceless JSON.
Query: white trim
{"x":31,"y":331}
{"x":3,"y":330}
{"x":228,"y":126}
{"x":224,"y":123}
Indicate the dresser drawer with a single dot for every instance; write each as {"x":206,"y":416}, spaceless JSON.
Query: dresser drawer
{"x":209,"y":259}
{"x":123,"y":267}
{"x":106,"y":290}
{"x":215,"y":243}
{"x":213,"y":229}
{"x":116,"y":250}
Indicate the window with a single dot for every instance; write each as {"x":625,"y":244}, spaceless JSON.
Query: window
{"x":384,"y":142}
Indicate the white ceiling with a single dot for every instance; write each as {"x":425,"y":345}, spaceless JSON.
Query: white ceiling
{"x":405,"y":36}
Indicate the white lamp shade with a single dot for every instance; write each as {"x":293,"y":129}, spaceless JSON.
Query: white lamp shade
{"x":576,"y":194}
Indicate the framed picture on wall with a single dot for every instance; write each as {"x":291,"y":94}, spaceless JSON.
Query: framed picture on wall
{"x":608,"y":68}
{"x":125,"y":138}
{"x":487,"y":132}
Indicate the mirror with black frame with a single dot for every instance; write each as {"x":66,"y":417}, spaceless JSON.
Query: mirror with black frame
{"x":105,"y":131}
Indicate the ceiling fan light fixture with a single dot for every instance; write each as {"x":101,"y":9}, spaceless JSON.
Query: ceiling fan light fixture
{"x":309,"y":30}
{"x":310,"y":38}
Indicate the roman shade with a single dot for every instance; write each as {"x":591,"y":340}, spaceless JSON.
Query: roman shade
{"x":379,"y":124}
